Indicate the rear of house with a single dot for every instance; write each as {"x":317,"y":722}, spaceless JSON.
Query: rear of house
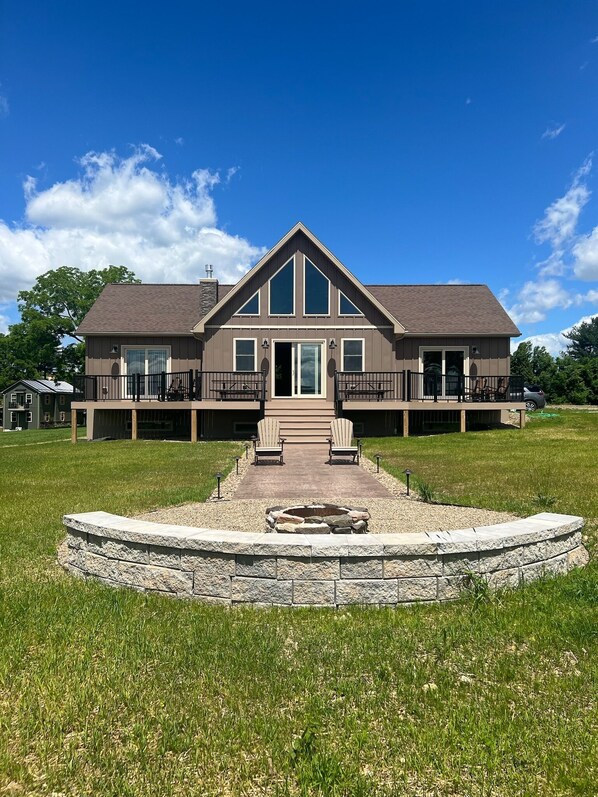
{"x":298,"y":338}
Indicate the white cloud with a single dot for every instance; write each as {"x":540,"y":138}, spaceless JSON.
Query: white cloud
{"x":553,"y":131}
{"x":585,"y":253}
{"x":560,"y":218}
{"x":553,"y":342}
{"x":535,"y":299}
{"x":121,"y":211}
{"x":4,"y":107}
{"x":4,"y":322}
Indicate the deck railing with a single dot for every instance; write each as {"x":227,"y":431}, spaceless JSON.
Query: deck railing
{"x":170,"y":386}
{"x":417,"y":386}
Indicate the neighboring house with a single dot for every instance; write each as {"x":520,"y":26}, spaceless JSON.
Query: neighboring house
{"x":298,"y":338}
{"x":37,"y":404}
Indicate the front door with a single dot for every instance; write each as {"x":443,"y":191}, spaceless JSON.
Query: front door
{"x":298,"y":369}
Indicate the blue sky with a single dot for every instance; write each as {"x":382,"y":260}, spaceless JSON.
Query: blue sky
{"x":421,"y":142}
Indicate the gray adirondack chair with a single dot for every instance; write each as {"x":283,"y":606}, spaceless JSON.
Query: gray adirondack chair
{"x":341,"y":440}
{"x":269,"y":443}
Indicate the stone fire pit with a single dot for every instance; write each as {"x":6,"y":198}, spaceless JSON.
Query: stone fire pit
{"x":318,"y":519}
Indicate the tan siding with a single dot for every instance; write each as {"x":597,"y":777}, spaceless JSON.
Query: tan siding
{"x":185,"y":352}
{"x":493,"y":359}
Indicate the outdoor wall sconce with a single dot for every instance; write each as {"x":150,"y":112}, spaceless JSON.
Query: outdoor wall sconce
{"x":218,"y":477}
{"x":114,"y":351}
{"x":475,"y":350}
{"x":407,"y":474}
{"x":265,"y":344}
{"x":378,"y":458}
{"x":332,"y":344}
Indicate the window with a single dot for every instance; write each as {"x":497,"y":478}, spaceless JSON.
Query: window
{"x":352,"y":354}
{"x":62,"y":417}
{"x":282,"y":290}
{"x":13,"y":397}
{"x":29,"y":416}
{"x":28,"y":398}
{"x":316,"y":298}
{"x":346,"y":307}
{"x":63,"y":400}
{"x":251,"y":307}
{"x":46,"y":417}
{"x":443,"y":369}
{"x":13,"y":417}
{"x":245,"y":354}
{"x":147,"y":362}
{"x":47,"y":398}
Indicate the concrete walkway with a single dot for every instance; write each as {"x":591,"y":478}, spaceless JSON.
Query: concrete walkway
{"x":306,"y":472}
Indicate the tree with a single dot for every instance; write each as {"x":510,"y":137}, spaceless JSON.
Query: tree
{"x":521,"y":361}
{"x":45,"y":342}
{"x":584,"y":340}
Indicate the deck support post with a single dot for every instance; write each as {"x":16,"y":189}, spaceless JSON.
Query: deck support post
{"x":522,"y":419}
{"x":405,"y":423}
{"x":463,"y":423}
{"x":194,"y":426}
{"x":73,"y":426}
{"x":133,"y":424}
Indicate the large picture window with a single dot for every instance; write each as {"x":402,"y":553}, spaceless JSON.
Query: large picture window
{"x":316,"y":291}
{"x":282,"y":290}
{"x":245,"y":354}
{"x":352,"y":354}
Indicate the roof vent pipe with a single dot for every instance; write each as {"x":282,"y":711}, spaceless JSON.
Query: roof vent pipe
{"x":209,"y":271}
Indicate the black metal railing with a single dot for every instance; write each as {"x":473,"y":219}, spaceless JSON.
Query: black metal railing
{"x":169,"y":386}
{"x":19,"y":404}
{"x":417,"y":386}
{"x":231,"y":385}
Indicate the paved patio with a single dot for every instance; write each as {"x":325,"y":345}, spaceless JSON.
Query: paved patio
{"x":306,"y":472}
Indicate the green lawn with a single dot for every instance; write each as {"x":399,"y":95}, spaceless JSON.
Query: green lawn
{"x":111,"y":692}
{"x":37,"y":436}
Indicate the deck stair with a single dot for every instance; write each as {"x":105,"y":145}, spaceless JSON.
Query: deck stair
{"x":302,"y":420}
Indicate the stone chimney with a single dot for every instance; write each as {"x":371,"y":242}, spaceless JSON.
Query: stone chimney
{"x":208,"y":292}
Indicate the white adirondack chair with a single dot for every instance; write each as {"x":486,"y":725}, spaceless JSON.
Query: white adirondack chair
{"x":341,"y":440}
{"x":268,"y":443}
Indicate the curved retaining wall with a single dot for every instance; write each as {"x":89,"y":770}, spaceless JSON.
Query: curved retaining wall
{"x":230,"y":567}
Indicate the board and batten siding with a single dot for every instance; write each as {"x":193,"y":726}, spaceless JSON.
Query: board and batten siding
{"x":185,"y":352}
{"x":494,"y":357}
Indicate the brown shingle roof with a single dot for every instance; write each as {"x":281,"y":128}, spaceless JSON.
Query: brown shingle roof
{"x":422,"y":309}
{"x":145,"y":309}
{"x":445,"y":309}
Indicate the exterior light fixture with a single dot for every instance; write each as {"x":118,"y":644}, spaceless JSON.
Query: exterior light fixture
{"x":218,"y":477}
{"x":114,"y":351}
{"x":475,"y":350}
{"x":407,"y":474}
{"x":265,"y":344}
{"x":378,"y":458}
{"x":237,"y":461}
{"x":332,"y":344}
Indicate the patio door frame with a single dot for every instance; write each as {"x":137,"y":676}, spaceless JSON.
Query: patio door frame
{"x":296,"y":368}
{"x":442,"y":394}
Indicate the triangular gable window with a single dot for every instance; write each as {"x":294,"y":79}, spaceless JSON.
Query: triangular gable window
{"x":251,"y":307}
{"x":347,"y":307}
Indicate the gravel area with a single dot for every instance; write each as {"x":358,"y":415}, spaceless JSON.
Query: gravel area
{"x":397,"y":514}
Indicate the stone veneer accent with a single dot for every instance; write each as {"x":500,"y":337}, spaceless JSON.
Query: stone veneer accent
{"x":229,"y":567}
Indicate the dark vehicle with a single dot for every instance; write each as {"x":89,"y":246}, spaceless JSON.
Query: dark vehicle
{"x":534,"y":397}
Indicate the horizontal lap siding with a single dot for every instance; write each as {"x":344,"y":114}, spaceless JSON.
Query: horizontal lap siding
{"x":185,"y":352}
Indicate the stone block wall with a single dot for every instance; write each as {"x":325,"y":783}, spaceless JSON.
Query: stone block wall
{"x":229,"y":568}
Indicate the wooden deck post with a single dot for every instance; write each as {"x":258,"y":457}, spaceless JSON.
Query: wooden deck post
{"x":73,"y":426}
{"x":405,"y":423}
{"x":463,"y":422}
{"x":194,"y":426}
{"x":522,"y":419}
{"x":133,"y":424}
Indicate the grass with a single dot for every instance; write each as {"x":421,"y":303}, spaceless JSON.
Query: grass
{"x":61,"y":434}
{"x":111,"y":692}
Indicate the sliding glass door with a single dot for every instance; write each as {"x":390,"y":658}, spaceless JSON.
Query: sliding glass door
{"x":298,"y":369}
{"x":442,"y":372}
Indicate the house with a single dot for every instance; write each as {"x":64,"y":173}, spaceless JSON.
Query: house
{"x":298,"y":338}
{"x":37,"y":404}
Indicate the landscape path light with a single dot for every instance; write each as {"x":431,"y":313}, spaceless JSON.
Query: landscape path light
{"x":246,"y":450}
{"x":218,"y":477}
{"x":237,"y":461}
{"x":378,"y":458}
{"x":407,"y":473}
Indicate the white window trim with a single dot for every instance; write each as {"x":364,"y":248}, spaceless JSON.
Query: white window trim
{"x":47,"y":417}
{"x":284,"y":315}
{"x":62,"y":400}
{"x":444,"y":349}
{"x":47,"y":398}
{"x":358,"y":314}
{"x":62,"y":417}
{"x":362,"y":355}
{"x":29,"y":398}
{"x":324,"y":370}
{"x":13,"y":397}
{"x":305,"y":313}
{"x":29,"y":416}
{"x":124,"y":349}
{"x":258,"y":293}
{"x":254,"y":340}
{"x":13,"y":417}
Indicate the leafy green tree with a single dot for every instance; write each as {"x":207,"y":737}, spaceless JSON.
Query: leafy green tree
{"x":521,"y":361}
{"x":584,"y":340}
